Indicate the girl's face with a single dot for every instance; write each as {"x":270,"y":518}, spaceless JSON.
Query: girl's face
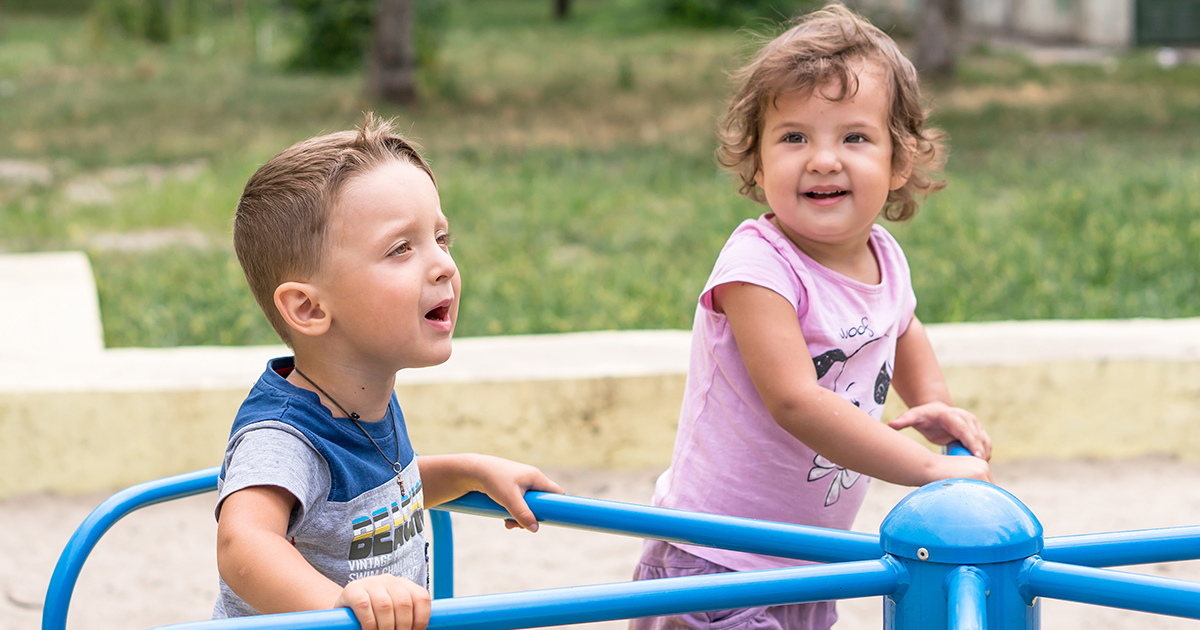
{"x":827,"y":165}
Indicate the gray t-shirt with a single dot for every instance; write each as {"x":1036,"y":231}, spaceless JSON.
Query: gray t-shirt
{"x":351,"y":518}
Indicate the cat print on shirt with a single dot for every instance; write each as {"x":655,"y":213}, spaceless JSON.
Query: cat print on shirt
{"x":831,"y":373}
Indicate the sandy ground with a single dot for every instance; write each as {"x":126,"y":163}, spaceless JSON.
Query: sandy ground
{"x":156,"y":567}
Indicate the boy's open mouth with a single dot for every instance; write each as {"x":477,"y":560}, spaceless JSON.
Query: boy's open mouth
{"x":439,"y":314}
{"x":825,"y":195}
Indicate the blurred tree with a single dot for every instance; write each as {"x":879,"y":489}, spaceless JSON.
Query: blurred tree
{"x":735,"y":13}
{"x":562,"y":9}
{"x":392,"y":62}
{"x":937,"y":35}
{"x":335,"y":33}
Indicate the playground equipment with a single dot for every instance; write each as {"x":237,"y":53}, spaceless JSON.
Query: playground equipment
{"x":953,"y":555}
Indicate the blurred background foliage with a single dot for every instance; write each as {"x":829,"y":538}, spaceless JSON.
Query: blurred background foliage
{"x":574,"y":159}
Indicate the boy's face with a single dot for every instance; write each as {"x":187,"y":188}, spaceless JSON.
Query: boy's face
{"x":387,"y":277}
{"x":827,"y":165}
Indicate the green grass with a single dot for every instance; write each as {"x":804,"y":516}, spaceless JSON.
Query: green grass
{"x":575,"y":163}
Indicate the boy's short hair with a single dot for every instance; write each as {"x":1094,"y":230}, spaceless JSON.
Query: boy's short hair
{"x":282,"y":217}
{"x":815,"y":52}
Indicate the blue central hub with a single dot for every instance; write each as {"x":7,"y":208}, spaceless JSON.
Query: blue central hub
{"x":961,"y":521}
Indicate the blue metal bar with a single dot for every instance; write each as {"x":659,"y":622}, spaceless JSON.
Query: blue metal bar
{"x":602,"y":602}
{"x":66,"y":572}
{"x":443,"y":554}
{"x":335,"y":619}
{"x":956,"y":448}
{"x":710,"y":530}
{"x":966,"y":596}
{"x":1106,"y":587}
{"x":1123,"y":548}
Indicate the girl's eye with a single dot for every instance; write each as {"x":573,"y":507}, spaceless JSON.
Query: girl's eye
{"x":445,"y":239}
{"x":401,"y":249}
{"x":856,"y":138}
{"x":793,"y":138}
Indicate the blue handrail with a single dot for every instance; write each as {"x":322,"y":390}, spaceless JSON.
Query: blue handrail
{"x":1003,"y":590}
{"x":81,"y":543}
{"x":602,"y":602}
{"x":709,"y":530}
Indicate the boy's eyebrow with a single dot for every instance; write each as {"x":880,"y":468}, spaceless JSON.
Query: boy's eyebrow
{"x":399,"y":227}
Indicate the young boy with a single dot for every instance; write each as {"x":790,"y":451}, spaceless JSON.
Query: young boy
{"x":321,"y":497}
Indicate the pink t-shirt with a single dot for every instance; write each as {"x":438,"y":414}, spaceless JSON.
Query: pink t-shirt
{"x":730,"y":456}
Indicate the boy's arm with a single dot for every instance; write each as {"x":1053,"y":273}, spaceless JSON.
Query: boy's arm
{"x":268,"y":573}
{"x":447,"y":477}
{"x":778,"y":361}
{"x":919,"y":381}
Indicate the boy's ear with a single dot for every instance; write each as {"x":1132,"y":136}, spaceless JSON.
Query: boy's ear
{"x":300,"y":305}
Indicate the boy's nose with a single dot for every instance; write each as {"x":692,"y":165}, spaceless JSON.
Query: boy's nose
{"x":443,"y":267}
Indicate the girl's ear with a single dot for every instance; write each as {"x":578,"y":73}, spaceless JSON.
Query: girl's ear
{"x":900,"y":174}
{"x":300,"y":305}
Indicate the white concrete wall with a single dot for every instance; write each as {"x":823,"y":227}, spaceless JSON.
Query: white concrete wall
{"x":1089,"y":22}
{"x":79,"y":419}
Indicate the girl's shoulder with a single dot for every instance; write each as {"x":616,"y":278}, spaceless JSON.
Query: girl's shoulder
{"x":888,"y":252}
{"x":758,"y":234}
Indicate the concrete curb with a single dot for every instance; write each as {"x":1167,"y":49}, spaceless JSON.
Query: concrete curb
{"x":77,"y":418}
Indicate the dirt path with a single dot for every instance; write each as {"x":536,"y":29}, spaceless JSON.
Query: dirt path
{"x":156,"y":567}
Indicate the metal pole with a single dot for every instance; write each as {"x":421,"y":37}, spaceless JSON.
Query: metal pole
{"x":443,"y":554}
{"x":1123,"y":548}
{"x":966,"y":594}
{"x":113,"y":509}
{"x":1106,"y":587}
{"x":601,"y":602}
{"x":711,"y":530}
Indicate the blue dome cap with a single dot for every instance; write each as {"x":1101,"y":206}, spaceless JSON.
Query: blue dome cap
{"x":961,"y":521}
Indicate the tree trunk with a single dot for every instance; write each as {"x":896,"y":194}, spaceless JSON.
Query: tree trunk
{"x":562,"y":9}
{"x":392,"y":64}
{"x":937,"y":32}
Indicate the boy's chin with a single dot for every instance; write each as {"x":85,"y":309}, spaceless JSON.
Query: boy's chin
{"x":434,"y":358}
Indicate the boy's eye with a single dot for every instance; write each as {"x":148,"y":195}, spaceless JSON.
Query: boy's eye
{"x":793,"y":138}
{"x":401,"y":249}
{"x":856,"y":138}
{"x":445,"y":239}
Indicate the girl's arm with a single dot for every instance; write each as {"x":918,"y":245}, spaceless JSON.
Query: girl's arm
{"x":919,"y":381}
{"x":447,"y":477}
{"x":778,"y":361}
{"x":268,"y":573}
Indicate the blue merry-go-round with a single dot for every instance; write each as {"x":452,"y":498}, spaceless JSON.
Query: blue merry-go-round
{"x":954,"y":555}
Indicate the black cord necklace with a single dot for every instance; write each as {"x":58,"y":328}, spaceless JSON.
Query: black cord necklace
{"x":354,"y":417}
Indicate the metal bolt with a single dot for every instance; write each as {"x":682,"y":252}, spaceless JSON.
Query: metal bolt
{"x":922,"y":554}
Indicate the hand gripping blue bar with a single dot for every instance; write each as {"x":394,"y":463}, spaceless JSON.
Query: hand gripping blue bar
{"x":709,"y":530}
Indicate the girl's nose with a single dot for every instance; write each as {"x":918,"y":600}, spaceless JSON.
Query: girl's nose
{"x":824,"y":160}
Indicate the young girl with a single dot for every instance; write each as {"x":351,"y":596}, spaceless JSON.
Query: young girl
{"x":807,"y":318}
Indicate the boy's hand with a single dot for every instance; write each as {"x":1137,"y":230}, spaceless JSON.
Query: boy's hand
{"x":940,"y":423}
{"x":386,"y":602}
{"x":506,"y":482}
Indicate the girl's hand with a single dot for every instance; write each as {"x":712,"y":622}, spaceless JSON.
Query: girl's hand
{"x":959,"y":467}
{"x":506,"y":482}
{"x":386,"y":602}
{"x":940,"y":423}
